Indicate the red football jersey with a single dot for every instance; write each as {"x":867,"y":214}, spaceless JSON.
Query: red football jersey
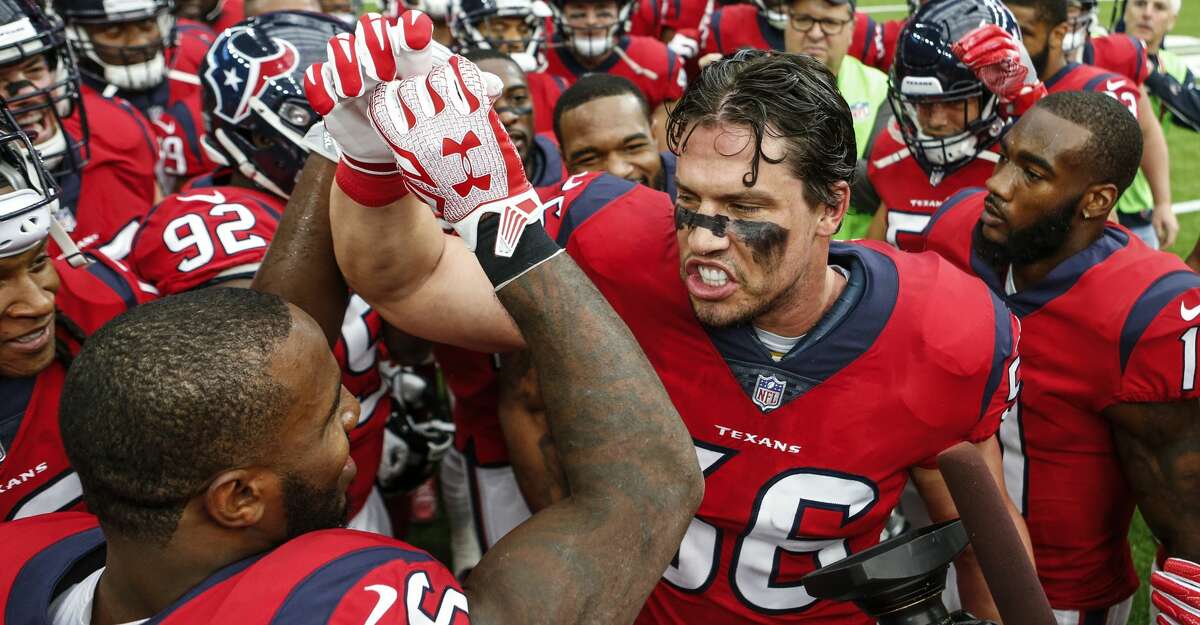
{"x":794,"y":480}
{"x":544,"y":89}
{"x":1061,"y":465}
{"x":329,"y":576}
{"x":181,"y":125}
{"x":1078,"y":77}
{"x":232,"y":12}
{"x":34,"y":475}
{"x":117,"y":186}
{"x":910,"y":195}
{"x":891,"y":30}
{"x":658,"y":72}
{"x":471,"y":376}
{"x":1118,"y":53}
{"x":733,"y":27}
{"x":648,"y":19}
{"x":214,"y":234}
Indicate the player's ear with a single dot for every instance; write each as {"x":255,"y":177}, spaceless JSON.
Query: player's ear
{"x":238,"y":498}
{"x":831,"y":215}
{"x":1057,"y":34}
{"x":1098,"y":201}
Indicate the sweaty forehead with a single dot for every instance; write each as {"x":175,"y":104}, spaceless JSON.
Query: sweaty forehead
{"x":718,"y":157}
{"x":1063,"y":143}
{"x":603,"y":120}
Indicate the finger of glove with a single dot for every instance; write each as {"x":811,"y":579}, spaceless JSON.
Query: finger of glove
{"x":1183,"y":568}
{"x":458,"y":84}
{"x":373,"y":46}
{"x":1177,"y":586}
{"x":1164,"y":620}
{"x":317,"y":89}
{"x":412,"y":42}
{"x":1174,"y":609}
{"x":976,"y":37}
{"x":346,"y":74}
{"x":990,"y":51}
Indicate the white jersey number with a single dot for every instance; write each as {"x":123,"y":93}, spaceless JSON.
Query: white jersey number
{"x":778,"y":510}
{"x":417,"y":585}
{"x":190,"y":231}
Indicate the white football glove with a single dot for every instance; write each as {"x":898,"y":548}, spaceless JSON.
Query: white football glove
{"x":1175,"y":591}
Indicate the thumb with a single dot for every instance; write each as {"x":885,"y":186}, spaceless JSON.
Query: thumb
{"x":493,"y":87}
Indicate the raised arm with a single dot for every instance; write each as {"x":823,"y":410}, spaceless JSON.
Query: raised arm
{"x":299,"y":265}
{"x":531,"y":449}
{"x":595,"y":556}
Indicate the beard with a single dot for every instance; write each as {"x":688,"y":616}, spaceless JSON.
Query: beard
{"x":1032,"y":243}
{"x":310,"y":508}
{"x":1040,"y":61}
{"x":726,"y":314}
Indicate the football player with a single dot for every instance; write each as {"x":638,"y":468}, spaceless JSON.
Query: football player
{"x":589,"y":37}
{"x":48,"y":308}
{"x":761,"y":330}
{"x":123,"y":52}
{"x":1108,"y":414}
{"x":259,"y":445}
{"x":818,"y":28}
{"x":217,"y":233}
{"x":515,"y":28}
{"x":211,"y":431}
{"x":1146,"y":207}
{"x":107,"y":179}
{"x":947,"y":121}
{"x":761,"y":26}
{"x":603,"y":124}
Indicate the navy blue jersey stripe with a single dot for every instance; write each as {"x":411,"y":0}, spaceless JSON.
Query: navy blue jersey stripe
{"x":950,"y":202}
{"x":770,"y":34}
{"x":871,"y":26}
{"x":714,"y":29}
{"x":114,"y":281}
{"x":313,"y":600}
{"x":599,"y":193}
{"x":1149,"y":304}
{"x":1000,"y":353}
{"x":33,"y":588}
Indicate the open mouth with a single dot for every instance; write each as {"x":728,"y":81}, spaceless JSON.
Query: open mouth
{"x":708,"y":281}
{"x":39,"y":125}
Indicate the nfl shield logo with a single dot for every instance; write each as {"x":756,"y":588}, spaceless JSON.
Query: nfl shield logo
{"x":768,"y":392}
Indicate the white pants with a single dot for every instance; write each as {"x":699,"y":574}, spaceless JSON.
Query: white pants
{"x":1115,"y":615}
{"x":373,"y":517}
{"x":484,"y":504}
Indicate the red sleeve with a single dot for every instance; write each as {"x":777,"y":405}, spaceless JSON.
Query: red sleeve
{"x":1123,"y":89}
{"x":647,"y":18}
{"x":1159,"y":342}
{"x":867,"y":44}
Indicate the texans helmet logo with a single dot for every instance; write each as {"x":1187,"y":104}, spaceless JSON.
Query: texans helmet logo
{"x":240,"y":69}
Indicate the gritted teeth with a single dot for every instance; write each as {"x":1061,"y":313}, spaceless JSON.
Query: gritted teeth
{"x":713,"y":276}
{"x":31,"y":337}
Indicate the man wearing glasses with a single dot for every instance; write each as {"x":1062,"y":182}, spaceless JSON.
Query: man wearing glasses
{"x":821,"y":29}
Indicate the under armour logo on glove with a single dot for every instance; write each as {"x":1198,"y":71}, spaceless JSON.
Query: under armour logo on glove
{"x":450,"y":147}
{"x":454,"y":152}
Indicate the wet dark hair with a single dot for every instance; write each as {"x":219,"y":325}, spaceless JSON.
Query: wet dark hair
{"x":167,"y":395}
{"x":1114,"y":151}
{"x":788,"y":96}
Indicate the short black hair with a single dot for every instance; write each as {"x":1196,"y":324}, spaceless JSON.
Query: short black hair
{"x":1114,"y":151}
{"x":475,"y":55}
{"x":593,"y":87}
{"x":1048,"y":12}
{"x":166,"y":396}
{"x":793,"y":97}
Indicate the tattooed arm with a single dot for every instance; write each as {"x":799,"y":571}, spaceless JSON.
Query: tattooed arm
{"x":531,"y":449}
{"x":1159,"y":447}
{"x":594,"y":556}
{"x":299,"y":266}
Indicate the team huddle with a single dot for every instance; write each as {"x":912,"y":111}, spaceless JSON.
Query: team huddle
{"x":676,"y":301}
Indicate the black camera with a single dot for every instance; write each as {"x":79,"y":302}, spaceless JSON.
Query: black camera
{"x":899,"y":581}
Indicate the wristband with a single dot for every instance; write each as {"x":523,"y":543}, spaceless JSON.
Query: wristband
{"x":372,"y":190}
{"x":533,"y":248}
